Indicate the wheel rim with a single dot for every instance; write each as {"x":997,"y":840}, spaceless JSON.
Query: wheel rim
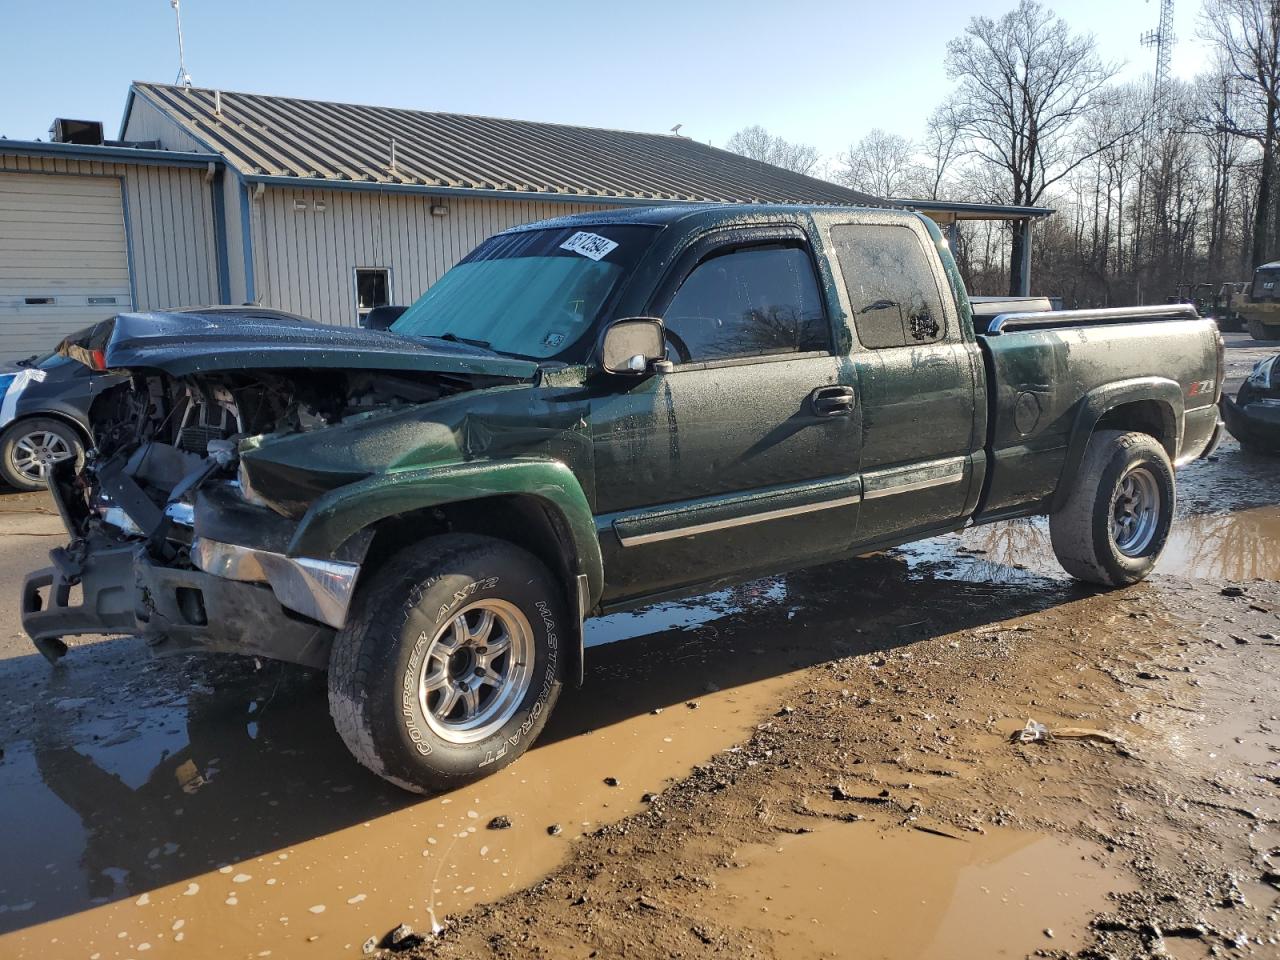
{"x":34,"y":453}
{"x":1135,"y":512}
{"x":476,"y":671}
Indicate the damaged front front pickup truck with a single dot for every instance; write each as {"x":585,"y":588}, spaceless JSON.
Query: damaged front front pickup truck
{"x":582,"y":416}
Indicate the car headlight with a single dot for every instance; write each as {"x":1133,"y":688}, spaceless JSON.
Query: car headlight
{"x":1261,"y":376}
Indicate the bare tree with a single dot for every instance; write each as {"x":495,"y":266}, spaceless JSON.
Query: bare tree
{"x":759,"y":144}
{"x":940,"y":147}
{"x":1247,"y":35}
{"x":882,"y":164}
{"x":1024,"y":81}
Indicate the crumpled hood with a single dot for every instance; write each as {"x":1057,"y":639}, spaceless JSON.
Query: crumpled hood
{"x":222,"y":339}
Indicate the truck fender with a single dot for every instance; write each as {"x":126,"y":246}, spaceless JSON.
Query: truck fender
{"x":1097,"y":403}
{"x":344,"y":512}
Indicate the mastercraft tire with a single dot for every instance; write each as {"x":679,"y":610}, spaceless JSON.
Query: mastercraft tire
{"x":1116,"y":519}
{"x":450,"y":663}
{"x":28,"y":447}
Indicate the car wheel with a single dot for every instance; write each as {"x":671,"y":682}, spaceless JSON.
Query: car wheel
{"x":1116,"y":520}
{"x":1259,"y":331}
{"x":450,"y":663}
{"x":29,"y":447}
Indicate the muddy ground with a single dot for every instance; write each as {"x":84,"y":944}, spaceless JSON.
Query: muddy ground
{"x":818,"y":764}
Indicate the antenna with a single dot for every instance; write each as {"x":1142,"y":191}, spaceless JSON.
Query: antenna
{"x":184,"y":78}
{"x":1162,"y":39}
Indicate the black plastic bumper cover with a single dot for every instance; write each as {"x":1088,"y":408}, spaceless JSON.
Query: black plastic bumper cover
{"x":1254,"y":424}
{"x":122,"y":592}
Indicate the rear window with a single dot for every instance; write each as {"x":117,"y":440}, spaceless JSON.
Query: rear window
{"x":890,"y":284}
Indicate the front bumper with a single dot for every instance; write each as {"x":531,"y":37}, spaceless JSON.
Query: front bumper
{"x":121,"y":591}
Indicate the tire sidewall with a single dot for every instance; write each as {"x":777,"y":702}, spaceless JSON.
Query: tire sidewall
{"x":20,"y":428}
{"x":427,"y":602}
{"x":1127,"y":454}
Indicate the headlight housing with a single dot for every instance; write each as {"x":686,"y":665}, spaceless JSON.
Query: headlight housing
{"x":1262,"y":372}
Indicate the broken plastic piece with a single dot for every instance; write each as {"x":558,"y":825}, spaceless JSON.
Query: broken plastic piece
{"x":1032,"y":732}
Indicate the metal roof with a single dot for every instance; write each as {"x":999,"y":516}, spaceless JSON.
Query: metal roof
{"x":283,"y":140}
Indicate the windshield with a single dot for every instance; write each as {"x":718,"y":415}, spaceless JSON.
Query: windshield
{"x":532,"y":293}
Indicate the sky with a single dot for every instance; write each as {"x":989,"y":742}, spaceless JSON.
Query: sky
{"x":822,"y":72}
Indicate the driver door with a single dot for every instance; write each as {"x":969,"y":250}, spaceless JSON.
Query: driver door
{"x":744,"y":457}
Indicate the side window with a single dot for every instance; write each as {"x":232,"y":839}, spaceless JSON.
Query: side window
{"x":890,"y":284}
{"x":751,"y":301}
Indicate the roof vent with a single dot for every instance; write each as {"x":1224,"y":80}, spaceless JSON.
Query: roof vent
{"x":88,"y":132}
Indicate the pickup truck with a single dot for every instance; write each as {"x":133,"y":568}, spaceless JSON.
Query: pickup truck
{"x":584,"y":415}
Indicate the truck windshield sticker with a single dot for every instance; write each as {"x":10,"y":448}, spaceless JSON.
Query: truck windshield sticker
{"x":589,"y":245}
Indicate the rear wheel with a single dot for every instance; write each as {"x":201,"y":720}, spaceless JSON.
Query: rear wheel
{"x":450,"y":664}
{"x":1261,"y":331}
{"x":29,"y":447}
{"x":1116,"y":520}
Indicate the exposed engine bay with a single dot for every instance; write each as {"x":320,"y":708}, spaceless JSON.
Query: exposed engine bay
{"x":159,"y":439}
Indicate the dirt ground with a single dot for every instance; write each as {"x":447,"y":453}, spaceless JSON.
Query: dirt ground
{"x":824,"y":764}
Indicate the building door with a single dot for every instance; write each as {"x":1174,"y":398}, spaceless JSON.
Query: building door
{"x":64,"y":258}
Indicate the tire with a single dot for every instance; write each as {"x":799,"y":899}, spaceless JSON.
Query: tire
{"x":402,"y":624}
{"x":1259,"y":331}
{"x":40,"y":438}
{"x":1118,"y":467}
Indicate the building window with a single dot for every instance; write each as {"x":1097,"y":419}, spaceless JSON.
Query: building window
{"x":373,"y":289}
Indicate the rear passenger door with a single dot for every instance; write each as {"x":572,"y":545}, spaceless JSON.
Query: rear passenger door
{"x":744,"y":456}
{"x":917,"y":373}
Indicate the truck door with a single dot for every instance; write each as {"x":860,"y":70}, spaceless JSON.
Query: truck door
{"x":917,"y":372}
{"x":744,"y":456}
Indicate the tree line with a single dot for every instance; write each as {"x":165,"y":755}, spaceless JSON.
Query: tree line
{"x":1154,"y":189}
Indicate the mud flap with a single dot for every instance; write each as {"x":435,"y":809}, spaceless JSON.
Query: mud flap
{"x":581,"y":602}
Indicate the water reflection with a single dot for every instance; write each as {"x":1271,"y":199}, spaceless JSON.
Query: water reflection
{"x":1222,"y":546}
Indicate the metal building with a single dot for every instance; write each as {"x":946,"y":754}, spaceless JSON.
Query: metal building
{"x":322,"y":209}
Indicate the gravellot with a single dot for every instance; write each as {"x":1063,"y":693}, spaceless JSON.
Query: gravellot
{"x":820,"y":764}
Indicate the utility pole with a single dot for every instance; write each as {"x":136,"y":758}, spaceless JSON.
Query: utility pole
{"x":184,"y":78}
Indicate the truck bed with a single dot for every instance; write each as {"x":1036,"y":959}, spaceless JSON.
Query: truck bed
{"x":1050,"y":376}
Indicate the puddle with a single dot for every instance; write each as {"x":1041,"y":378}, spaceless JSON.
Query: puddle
{"x":907,"y":895}
{"x":412,"y":860}
{"x":1230,"y":546}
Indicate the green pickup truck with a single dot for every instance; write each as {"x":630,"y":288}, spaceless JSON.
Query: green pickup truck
{"x":584,"y":415}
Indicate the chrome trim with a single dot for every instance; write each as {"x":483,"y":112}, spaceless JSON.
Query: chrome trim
{"x":320,"y":589}
{"x":638,"y":539}
{"x":1071,"y":318}
{"x":951,"y":471}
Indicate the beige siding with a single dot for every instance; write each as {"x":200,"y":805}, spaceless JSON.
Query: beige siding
{"x":305,"y":259}
{"x":146,"y":123}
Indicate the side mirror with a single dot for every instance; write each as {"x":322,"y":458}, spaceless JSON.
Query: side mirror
{"x":631,"y":347}
{"x":381,"y":318}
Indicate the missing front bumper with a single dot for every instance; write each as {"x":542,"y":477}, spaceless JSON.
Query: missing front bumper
{"x":120,"y":592}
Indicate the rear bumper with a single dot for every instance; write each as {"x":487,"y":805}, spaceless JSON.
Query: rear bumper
{"x":1255,"y":424}
{"x":122,"y":592}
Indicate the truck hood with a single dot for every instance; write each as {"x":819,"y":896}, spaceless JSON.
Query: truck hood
{"x":221,"y":339}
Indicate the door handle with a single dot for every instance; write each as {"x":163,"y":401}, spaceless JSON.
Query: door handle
{"x":831,"y":401}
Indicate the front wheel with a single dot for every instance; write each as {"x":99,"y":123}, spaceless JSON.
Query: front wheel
{"x":29,"y":447}
{"x":1116,"y":520}
{"x":450,"y":664}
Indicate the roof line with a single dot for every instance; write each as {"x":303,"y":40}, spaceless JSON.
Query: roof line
{"x":319,"y":183}
{"x":102,"y":152}
{"x":445,"y":113}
